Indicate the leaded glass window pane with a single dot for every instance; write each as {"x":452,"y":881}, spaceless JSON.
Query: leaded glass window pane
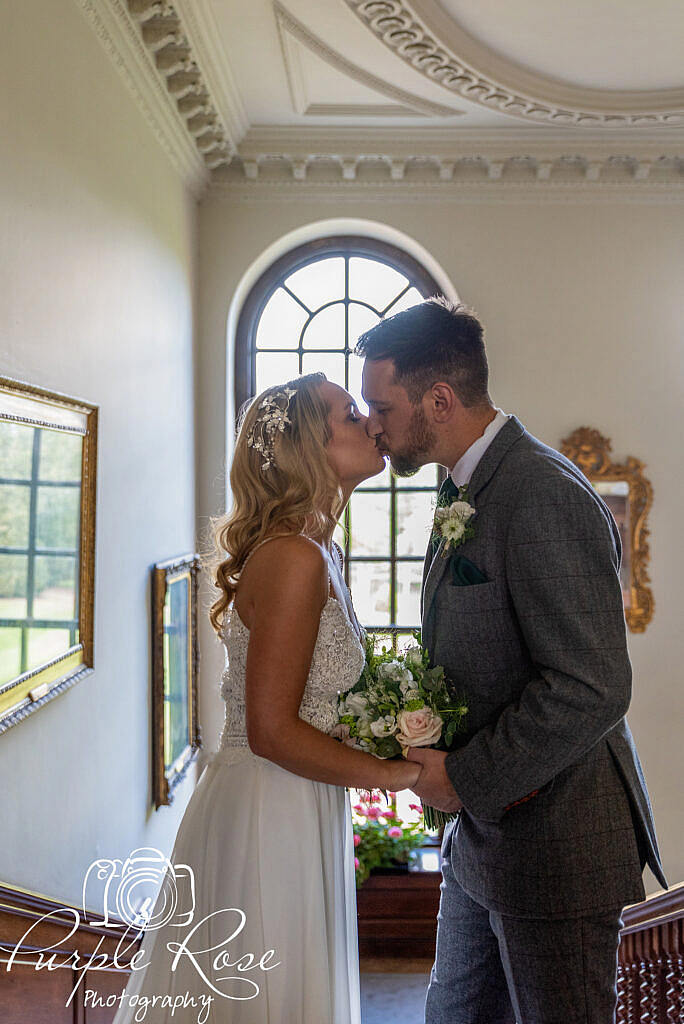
{"x":310,"y":318}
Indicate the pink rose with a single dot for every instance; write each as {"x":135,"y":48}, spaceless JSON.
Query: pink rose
{"x":416,"y":807}
{"x":419,"y":728}
{"x":374,"y":812}
{"x":341,"y":732}
{"x":388,"y":814}
{"x":356,"y":862}
{"x":394,"y":832}
{"x":357,"y":839}
{"x":360,"y":809}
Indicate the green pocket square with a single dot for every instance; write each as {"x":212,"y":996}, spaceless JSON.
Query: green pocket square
{"x":465,"y":573}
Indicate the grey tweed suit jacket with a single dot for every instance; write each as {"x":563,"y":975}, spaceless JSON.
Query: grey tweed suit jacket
{"x":556,"y":819}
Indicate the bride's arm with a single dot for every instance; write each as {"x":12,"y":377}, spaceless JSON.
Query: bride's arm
{"x":289,"y":587}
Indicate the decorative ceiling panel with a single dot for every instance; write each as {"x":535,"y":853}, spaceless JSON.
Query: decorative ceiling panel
{"x":429,"y":40}
{"x":294,"y":34}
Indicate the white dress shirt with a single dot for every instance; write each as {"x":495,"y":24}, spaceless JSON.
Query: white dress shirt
{"x":465,"y":467}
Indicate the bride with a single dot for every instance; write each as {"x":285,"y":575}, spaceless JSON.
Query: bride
{"x":267,"y":832}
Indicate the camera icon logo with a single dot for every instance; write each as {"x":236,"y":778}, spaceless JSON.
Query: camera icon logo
{"x":122,"y":889}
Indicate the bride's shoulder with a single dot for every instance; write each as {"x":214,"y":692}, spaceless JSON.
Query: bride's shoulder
{"x":292,"y":546}
{"x":289,"y":561}
{"x":286,"y":581}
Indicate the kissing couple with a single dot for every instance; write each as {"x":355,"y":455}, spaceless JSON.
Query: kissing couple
{"x":553,"y":824}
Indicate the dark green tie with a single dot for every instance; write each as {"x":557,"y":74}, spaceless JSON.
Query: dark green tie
{"x":448,"y":490}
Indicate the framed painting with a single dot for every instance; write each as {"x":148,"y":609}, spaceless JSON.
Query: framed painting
{"x":629,"y":496}
{"x":48,"y":460}
{"x":175,"y":668}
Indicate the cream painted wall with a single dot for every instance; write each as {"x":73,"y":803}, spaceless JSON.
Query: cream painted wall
{"x":98,"y":257}
{"x":583,"y":307}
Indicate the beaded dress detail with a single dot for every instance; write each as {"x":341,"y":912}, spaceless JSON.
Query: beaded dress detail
{"x":336,"y":665}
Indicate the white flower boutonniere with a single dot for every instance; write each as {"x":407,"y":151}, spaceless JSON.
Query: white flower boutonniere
{"x":452,"y":521}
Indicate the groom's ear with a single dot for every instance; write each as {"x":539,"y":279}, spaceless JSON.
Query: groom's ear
{"x":442,"y":401}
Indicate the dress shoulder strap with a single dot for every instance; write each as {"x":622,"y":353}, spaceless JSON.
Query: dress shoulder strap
{"x":265,"y":540}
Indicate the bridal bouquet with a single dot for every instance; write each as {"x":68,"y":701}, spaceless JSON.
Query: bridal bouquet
{"x":400,"y":702}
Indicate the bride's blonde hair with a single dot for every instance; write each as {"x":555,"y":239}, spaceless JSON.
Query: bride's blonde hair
{"x":298,"y":493}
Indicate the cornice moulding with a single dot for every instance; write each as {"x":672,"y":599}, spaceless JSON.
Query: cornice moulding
{"x":122,"y":41}
{"x":159,"y":54}
{"x":426,"y":38}
{"x":455,"y":142}
{"x":448,"y":155}
{"x":566,"y":193}
{"x":202,"y":33}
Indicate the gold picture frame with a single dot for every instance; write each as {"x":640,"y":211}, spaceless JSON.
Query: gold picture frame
{"x":48,"y":474}
{"x":629,"y":495}
{"x":176,"y":738}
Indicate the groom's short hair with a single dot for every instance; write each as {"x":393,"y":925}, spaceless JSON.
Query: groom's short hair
{"x":437,"y":339}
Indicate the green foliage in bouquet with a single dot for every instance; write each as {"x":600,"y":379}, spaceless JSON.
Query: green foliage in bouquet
{"x":400,"y":701}
{"x":381,"y":838}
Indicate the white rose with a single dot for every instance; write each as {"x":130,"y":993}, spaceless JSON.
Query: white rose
{"x":414,"y":657}
{"x":388,"y":669}
{"x":363,"y":727}
{"x":460,"y":510}
{"x":395,"y":671}
{"x":385,"y":726}
{"x":355,"y":703}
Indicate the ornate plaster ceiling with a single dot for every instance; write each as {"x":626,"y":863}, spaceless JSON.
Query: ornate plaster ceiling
{"x":406,"y":91}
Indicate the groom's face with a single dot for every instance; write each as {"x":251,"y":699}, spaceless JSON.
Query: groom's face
{"x":401,"y":430}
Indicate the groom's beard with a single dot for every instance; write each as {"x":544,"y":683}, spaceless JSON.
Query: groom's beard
{"x":420,"y":439}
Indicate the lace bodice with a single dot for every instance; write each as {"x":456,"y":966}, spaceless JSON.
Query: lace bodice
{"x":337,"y":662}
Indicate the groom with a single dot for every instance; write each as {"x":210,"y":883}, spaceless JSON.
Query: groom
{"x":554,"y":821}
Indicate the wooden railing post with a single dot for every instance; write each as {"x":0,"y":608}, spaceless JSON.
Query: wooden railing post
{"x":650,"y":974}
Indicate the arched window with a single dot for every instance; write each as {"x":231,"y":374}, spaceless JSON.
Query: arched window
{"x":305,"y":313}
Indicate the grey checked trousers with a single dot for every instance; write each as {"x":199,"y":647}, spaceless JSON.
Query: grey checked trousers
{"x":492,"y":968}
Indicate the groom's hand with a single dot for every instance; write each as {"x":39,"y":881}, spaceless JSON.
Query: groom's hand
{"x":433,"y":785}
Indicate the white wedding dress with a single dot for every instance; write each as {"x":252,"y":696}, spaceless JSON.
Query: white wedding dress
{"x":277,"y":846}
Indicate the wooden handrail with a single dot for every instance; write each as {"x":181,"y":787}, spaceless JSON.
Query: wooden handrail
{"x":664,"y":906}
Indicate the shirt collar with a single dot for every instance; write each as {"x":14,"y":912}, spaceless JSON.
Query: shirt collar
{"x":465,"y":467}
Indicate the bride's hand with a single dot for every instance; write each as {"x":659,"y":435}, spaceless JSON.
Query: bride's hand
{"x":403,"y":774}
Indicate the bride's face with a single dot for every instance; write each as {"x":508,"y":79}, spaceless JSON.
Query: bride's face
{"x":353,"y":455}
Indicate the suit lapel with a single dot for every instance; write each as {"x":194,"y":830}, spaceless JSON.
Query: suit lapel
{"x":485,"y":469}
{"x":433,"y":578}
{"x":489,"y":463}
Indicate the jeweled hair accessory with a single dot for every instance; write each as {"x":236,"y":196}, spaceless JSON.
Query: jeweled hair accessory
{"x":263,"y":432}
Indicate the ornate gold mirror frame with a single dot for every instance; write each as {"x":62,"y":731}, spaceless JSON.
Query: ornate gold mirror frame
{"x":590,"y":451}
